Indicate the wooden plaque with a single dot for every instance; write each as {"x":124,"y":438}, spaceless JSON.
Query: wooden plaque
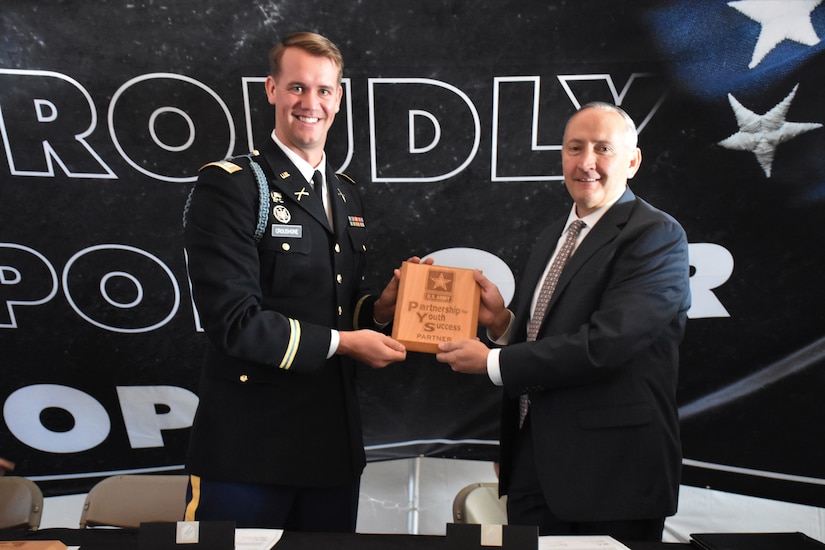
{"x":435,"y":304}
{"x":32,"y":545}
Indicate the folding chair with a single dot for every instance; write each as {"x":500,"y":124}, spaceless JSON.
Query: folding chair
{"x":21,"y":503}
{"x":127,"y":500}
{"x":479,"y":503}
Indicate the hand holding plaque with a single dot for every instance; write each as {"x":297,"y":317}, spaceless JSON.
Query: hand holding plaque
{"x":435,"y":304}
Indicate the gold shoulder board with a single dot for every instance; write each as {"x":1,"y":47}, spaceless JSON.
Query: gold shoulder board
{"x":230,"y":167}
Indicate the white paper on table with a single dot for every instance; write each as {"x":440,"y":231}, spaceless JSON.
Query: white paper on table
{"x":257,"y":539}
{"x":581,"y":542}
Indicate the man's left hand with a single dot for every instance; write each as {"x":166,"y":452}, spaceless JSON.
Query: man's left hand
{"x":467,"y":356}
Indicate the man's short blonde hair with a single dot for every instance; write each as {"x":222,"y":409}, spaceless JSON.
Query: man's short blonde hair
{"x":310,"y":42}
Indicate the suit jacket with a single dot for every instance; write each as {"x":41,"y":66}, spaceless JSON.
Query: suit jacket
{"x":602,"y":373}
{"x":273,"y":409}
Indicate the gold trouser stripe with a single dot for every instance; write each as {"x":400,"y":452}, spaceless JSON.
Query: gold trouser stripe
{"x":292,"y":345}
{"x":192,"y":506}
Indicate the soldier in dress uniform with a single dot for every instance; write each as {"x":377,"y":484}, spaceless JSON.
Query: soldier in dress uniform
{"x":276,"y":246}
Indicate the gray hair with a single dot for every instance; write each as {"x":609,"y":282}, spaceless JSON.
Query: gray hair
{"x":631,"y":133}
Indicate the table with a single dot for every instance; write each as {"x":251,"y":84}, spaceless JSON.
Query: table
{"x":127,"y":539}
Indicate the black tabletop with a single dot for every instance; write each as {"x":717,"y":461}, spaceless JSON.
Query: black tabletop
{"x":127,"y":539}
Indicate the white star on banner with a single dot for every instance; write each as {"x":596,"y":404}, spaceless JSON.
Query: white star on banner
{"x":762,"y":134}
{"x":780,"y":20}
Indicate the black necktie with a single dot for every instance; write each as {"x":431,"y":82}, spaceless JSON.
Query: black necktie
{"x":318,"y":185}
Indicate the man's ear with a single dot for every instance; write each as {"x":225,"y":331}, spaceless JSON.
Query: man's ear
{"x":340,"y":93}
{"x":635,"y":162}
{"x":269,"y":85}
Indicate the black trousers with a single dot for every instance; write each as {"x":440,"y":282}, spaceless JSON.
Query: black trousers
{"x":333,"y":509}
{"x":526,"y":504}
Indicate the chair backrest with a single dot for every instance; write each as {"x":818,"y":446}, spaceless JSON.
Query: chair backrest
{"x":127,"y":500}
{"x":480,"y":503}
{"x":21,"y":503}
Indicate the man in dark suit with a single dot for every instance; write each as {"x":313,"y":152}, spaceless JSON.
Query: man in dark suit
{"x":276,"y":441}
{"x":598,"y":451}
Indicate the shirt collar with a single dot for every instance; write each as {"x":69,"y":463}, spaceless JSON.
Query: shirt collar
{"x":593,"y":218}
{"x":305,"y":168}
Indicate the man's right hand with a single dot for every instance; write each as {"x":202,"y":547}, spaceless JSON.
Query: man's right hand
{"x":492,"y":313}
{"x":371,"y":348}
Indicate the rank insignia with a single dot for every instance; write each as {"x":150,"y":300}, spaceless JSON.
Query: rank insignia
{"x":356,"y":221}
{"x":283,"y":175}
{"x":227,"y":166}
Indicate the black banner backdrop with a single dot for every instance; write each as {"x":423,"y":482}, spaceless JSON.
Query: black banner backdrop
{"x":453,"y":115}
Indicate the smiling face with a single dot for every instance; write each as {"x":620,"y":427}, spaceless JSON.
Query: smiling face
{"x":598,"y":156}
{"x":306,"y":94}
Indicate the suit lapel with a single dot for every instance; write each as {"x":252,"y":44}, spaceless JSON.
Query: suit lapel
{"x":542,"y":251}
{"x":338,"y":197}
{"x":605,"y":232}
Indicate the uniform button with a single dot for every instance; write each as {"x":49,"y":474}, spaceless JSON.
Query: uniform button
{"x":243,"y":378}
{"x":339,"y":278}
{"x":364,"y":247}
{"x":285,"y":246}
{"x":337,"y":247}
{"x":340,"y":311}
